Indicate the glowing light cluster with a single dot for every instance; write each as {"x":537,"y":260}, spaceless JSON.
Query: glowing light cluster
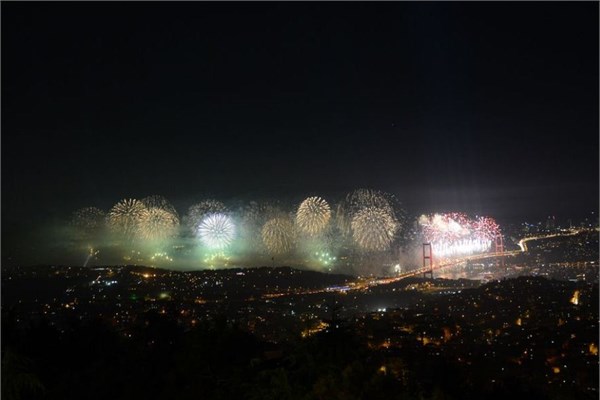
{"x":216,"y":231}
{"x":325,"y":258}
{"x":455,"y":234}
{"x":575,"y":299}
{"x":160,"y":256}
{"x":216,"y":258}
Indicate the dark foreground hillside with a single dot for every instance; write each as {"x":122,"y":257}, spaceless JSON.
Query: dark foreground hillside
{"x":455,"y":347}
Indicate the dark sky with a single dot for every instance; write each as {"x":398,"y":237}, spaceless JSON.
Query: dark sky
{"x":479,"y":107}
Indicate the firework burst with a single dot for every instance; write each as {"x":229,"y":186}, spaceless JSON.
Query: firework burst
{"x":157,"y":224}
{"x":373,"y":228}
{"x":313,"y":215}
{"x":362,"y":199}
{"x":486,"y":227}
{"x":367,"y":198}
{"x":372,"y":218}
{"x":216,"y":231}
{"x":124,"y":217}
{"x":198,"y":211}
{"x":88,"y":219}
{"x":455,"y":234}
{"x":278,"y":235}
{"x":157,"y":201}
{"x":252,"y":219}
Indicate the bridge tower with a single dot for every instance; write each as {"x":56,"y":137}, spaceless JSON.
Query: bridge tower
{"x":500,"y":248}
{"x":427,"y":260}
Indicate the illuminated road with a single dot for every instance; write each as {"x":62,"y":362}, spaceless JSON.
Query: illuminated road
{"x":523,"y":242}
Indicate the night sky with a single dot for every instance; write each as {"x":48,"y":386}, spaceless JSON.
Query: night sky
{"x":475,"y":107}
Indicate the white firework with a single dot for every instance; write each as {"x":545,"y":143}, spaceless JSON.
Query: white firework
{"x":198,"y":211}
{"x":216,"y":231}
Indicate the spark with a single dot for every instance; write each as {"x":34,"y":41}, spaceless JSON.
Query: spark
{"x":456,"y":234}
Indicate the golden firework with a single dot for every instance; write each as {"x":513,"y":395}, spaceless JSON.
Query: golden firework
{"x":313,"y":215}
{"x":278,"y":235}
{"x":373,"y":228}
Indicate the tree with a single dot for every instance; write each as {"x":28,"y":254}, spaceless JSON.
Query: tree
{"x":18,"y":381}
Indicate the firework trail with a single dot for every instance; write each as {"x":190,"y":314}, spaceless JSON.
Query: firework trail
{"x":342,"y":219}
{"x":91,"y":254}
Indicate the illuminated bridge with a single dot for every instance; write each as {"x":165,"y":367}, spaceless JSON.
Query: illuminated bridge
{"x":457,"y":261}
{"x":363,"y":284}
